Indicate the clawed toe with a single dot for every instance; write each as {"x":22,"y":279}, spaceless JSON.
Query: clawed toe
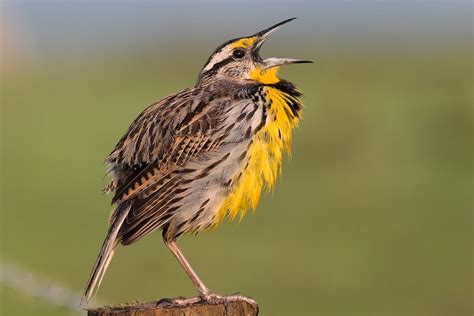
{"x":209,"y":298}
{"x":178,"y":301}
{"x":214,"y":298}
{"x":165,"y":302}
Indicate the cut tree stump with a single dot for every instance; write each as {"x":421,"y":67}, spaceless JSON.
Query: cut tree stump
{"x":165,"y":307}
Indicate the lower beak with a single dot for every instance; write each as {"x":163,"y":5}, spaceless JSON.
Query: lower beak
{"x":273,"y":61}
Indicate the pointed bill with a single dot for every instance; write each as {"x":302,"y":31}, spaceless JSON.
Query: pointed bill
{"x":262,"y":35}
{"x":273,"y":61}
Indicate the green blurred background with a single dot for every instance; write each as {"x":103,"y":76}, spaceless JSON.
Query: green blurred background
{"x":373,"y":214}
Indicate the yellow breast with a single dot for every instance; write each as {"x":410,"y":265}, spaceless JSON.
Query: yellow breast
{"x":264,"y":157}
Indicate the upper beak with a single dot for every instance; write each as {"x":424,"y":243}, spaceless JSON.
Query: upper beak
{"x":273,"y":61}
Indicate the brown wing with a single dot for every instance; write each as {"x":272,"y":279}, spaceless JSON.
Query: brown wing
{"x":152,"y":133}
{"x":167,"y":132}
{"x":149,"y":162}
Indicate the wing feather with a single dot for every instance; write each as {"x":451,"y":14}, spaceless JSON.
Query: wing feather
{"x":149,"y":162}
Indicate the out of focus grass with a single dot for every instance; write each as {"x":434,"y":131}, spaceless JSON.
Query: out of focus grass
{"x":371,"y":217}
{"x":15,"y":303}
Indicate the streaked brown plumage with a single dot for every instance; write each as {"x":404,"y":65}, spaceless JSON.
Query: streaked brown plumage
{"x":201,"y":154}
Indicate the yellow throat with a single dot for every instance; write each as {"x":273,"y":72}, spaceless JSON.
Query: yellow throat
{"x":265,"y":153}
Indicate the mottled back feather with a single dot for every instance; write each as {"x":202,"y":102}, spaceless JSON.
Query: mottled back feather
{"x":151,"y":164}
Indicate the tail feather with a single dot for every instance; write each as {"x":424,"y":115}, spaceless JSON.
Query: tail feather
{"x":106,"y":252}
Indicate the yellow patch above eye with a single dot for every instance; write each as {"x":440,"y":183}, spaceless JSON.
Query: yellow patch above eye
{"x":244,"y":42}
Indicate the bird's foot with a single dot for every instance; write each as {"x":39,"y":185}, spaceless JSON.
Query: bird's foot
{"x":178,"y":301}
{"x":217,"y":299}
{"x":205,"y":298}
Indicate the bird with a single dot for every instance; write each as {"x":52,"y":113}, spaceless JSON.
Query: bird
{"x":201,"y":155}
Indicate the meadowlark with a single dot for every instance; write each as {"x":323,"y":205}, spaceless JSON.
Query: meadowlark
{"x":202,"y":154}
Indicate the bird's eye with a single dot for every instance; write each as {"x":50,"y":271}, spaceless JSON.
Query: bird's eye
{"x":238,"y":53}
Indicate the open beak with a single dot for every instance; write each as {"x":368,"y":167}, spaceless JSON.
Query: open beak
{"x":273,"y":61}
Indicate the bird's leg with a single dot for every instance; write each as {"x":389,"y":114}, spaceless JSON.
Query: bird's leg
{"x":204,"y":293}
{"x":201,"y":287}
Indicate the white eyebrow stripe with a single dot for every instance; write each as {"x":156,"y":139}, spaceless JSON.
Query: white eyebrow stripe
{"x":223,"y":54}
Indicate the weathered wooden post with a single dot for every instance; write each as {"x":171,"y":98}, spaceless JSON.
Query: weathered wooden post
{"x":240,"y":306}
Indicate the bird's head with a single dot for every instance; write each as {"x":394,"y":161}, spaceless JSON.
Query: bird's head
{"x":239,"y":59}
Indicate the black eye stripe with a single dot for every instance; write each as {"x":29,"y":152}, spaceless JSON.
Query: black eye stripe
{"x":219,"y":65}
{"x":237,"y":53}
